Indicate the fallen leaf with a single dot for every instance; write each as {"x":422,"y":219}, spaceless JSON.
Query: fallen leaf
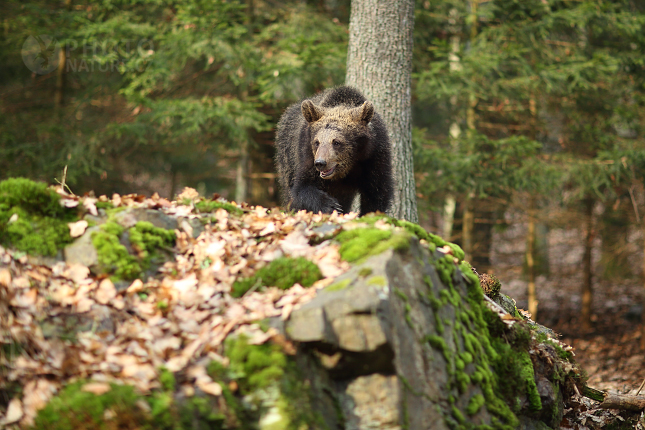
{"x":14,"y":412}
{"x":105,"y":292}
{"x":97,"y":388}
{"x":5,"y":277}
{"x":77,"y":228}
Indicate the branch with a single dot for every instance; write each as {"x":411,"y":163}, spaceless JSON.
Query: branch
{"x":623,"y":401}
{"x":615,"y":401}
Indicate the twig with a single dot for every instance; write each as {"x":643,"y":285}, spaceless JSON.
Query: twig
{"x":63,"y":184}
{"x":631,"y":194}
{"x":624,"y":402}
{"x":640,"y":388}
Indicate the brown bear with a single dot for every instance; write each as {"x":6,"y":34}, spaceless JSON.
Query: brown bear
{"x":331,"y":147}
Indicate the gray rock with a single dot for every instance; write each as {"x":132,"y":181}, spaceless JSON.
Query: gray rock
{"x":82,"y":251}
{"x":386,"y":342}
{"x":371,"y":402}
{"x":129,"y":217}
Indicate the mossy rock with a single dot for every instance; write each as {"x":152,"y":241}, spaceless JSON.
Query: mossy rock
{"x":32,"y":219}
{"x":433,"y":240}
{"x":76,"y":409}
{"x":283,"y":273}
{"x":147,"y":243}
{"x":272,"y":393}
{"x":360,"y":243}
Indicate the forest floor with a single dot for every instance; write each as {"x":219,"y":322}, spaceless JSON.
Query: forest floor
{"x":610,"y":352}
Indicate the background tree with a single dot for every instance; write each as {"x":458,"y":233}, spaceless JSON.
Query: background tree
{"x":379,"y":62}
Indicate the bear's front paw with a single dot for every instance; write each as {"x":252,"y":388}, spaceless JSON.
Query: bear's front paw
{"x":330,"y":204}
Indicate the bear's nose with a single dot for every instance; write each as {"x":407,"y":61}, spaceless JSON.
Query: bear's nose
{"x":320,"y":163}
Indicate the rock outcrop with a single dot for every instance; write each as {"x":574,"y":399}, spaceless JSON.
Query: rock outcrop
{"x":167,"y":315}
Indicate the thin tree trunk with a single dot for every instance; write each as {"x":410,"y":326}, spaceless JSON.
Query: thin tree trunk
{"x":469,"y":216}
{"x":587,"y":286}
{"x":530,"y":262}
{"x":455,"y":130}
{"x":467,"y":229}
{"x":242,"y":173}
{"x":379,"y":63}
{"x":60,"y":79}
{"x":643,"y":313}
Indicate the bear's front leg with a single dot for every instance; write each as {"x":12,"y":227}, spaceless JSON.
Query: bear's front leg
{"x":376,"y":194}
{"x":310,"y":198}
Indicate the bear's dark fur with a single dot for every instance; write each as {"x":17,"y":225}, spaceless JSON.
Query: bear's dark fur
{"x":331,"y":147}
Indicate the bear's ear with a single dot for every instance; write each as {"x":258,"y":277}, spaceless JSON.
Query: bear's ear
{"x":365,"y":112}
{"x":310,"y":111}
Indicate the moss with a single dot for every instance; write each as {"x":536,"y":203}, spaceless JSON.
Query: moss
{"x":379,"y":281}
{"x":104,"y":205}
{"x":113,"y":256}
{"x":340,"y":285}
{"x":513,"y":366}
{"x":167,"y":379}
{"x":257,"y":365}
{"x":475,"y":404}
{"x":458,"y":415}
{"x":470,"y":361}
{"x":407,"y":306}
{"x":415,"y":229}
{"x":359,"y":244}
{"x":258,"y":371}
{"x":490,"y":285}
{"x":75,"y":409}
{"x":146,"y":239}
{"x":283,"y":273}
{"x":207,"y":206}
{"x":365,"y":271}
{"x":32,"y":219}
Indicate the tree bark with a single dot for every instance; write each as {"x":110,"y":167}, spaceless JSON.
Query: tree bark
{"x":379,"y":64}
{"x":530,"y":263}
{"x":587,"y":286}
{"x":450,"y":203}
{"x":643,"y":319}
{"x":467,"y":229}
{"x":60,"y":79}
{"x":242,"y":173}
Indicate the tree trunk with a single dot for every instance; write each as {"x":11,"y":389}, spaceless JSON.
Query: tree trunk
{"x":60,"y":78}
{"x":242,"y":174}
{"x":530,"y":263}
{"x":643,"y":313}
{"x":587,"y":291}
{"x":467,"y":229}
{"x":455,"y":130}
{"x":379,"y":63}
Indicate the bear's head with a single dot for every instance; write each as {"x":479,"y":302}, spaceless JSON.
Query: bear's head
{"x":338,"y":136}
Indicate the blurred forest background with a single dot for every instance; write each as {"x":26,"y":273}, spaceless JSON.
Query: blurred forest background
{"x":529,"y":120}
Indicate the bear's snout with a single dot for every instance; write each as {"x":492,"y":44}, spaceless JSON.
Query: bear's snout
{"x":320,"y":164}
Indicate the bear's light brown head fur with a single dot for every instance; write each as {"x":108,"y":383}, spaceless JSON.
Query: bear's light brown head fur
{"x":335,"y":134}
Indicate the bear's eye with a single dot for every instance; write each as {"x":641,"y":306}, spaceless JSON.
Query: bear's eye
{"x":316,"y":144}
{"x":335,"y":142}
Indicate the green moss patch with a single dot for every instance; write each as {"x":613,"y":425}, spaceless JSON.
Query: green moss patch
{"x":283,"y":273}
{"x":338,"y":286}
{"x":207,"y":206}
{"x":75,"y":409}
{"x":360,"y":243}
{"x":266,"y":378}
{"x":473,"y":358}
{"x":115,"y":258}
{"x":32,"y":219}
{"x":415,"y":229}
